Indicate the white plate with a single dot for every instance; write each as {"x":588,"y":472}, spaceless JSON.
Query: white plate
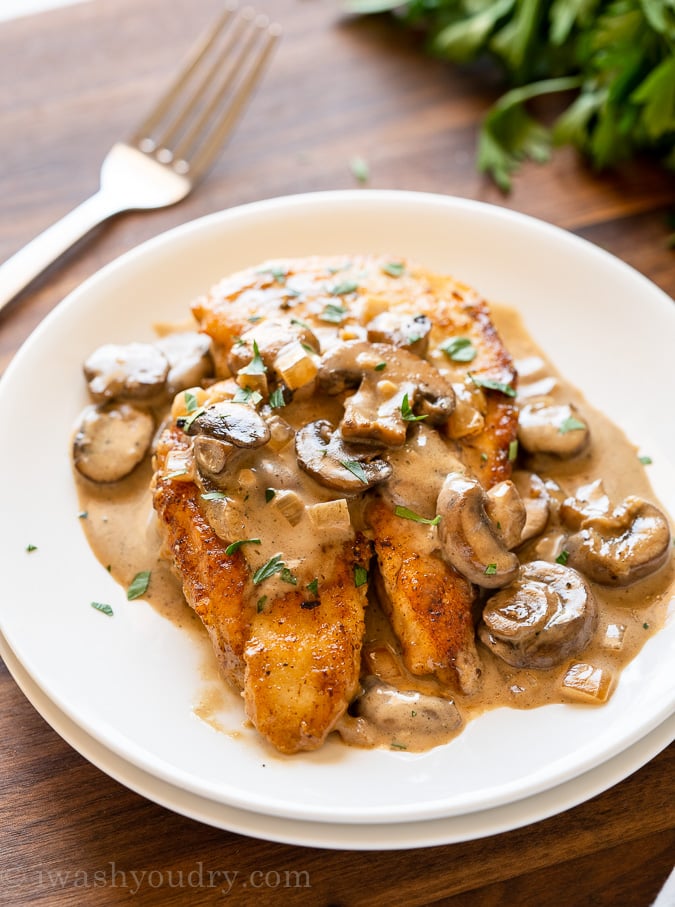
{"x":131,"y":682}
{"x":394,"y":836}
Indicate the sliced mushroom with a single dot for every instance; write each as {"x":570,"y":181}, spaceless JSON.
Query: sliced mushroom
{"x":408,"y":332}
{"x":236,"y":423}
{"x":587,"y":502}
{"x":212,"y":455}
{"x":505,"y":508}
{"x":327,"y":458}
{"x":552,"y":428}
{"x":548,"y":613}
{"x":622,"y":546}
{"x":387,"y":378}
{"x":537,"y":501}
{"x":470,"y":540}
{"x":404,"y":715}
{"x":134,"y":371}
{"x":111,"y":441}
{"x":189,"y":357}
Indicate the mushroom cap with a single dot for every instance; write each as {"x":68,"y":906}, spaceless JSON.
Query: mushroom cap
{"x":132,"y":371}
{"x":111,"y":441}
{"x":552,"y":428}
{"x":189,"y":357}
{"x":404,"y":331}
{"x":323,"y":454}
{"x":470,"y":539}
{"x":623,"y":546}
{"x":546,"y":614}
{"x":236,"y":423}
{"x":537,"y":502}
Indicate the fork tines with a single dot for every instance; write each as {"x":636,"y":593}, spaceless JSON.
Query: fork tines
{"x":196,"y":114}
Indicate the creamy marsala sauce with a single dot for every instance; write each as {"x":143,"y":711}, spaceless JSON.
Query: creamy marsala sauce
{"x":408,"y":711}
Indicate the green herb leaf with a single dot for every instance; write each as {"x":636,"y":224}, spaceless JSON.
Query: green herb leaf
{"x":407,"y":413}
{"x":190,"y":401}
{"x":359,"y":168}
{"x":235,"y":546}
{"x":343,"y":288}
{"x":277,"y":398}
{"x":513,"y":450}
{"x":646,"y":461}
{"x":398,"y":746}
{"x":493,"y":385}
{"x":394,"y":268}
{"x":247,"y":395}
{"x":275,"y":271}
{"x":380,"y":367}
{"x":139,"y":585}
{"x":563,"y":557}
{"x":333,"y":313}
{"x":213,"y":496}
{"x":491,"y":570}
{"x":460,"y":349}
{"x":256,"y":366}
{"x":30,"y":548}
{"x":313,"y":587}
{"x":104,"y":609}
{"x":272,"y":566}
{"x":360,"y":576}
{"x":415,"y":517}
{"x":571,"y":424}
{"x":288,"y":577}
{"x":260,"y":604}
{"x":356,"y":469}
{"x":185,"y":422}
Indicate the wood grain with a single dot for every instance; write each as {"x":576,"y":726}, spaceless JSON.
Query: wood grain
{"x":75,"y":80}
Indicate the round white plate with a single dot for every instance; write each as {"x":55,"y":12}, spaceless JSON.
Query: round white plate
{"x":342,"y":836}
{"x":131,"y":682}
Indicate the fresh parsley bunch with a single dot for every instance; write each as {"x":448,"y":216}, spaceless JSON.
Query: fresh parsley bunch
{"x":615,"y":58}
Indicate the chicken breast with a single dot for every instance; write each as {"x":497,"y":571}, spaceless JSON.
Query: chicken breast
{"x":360,"y":385}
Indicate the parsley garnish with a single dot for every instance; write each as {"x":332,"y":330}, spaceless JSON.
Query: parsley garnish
{"x":185,"y":422}
{"x":277,"y":398}
{"x":571,"y":424}
{"x":190,"y":401}
{"x":646,"y":461}
{"x":398,"y":746}
{"x":407,"y":413}
{"x":235,"y":546}
{"x":333,"y":313}
{"x":30,"y":548}
{"x":278,"y":273}
{"x":313,"y":587}
{"x":104,"y":609}
{"x":139,"y":585}
{"x":273,"y":565}
{"x":246,"y":395}
{"x":460,"y":349}
{"x":288,"y":577}
{"x":360,"y":576}
{"x":260,"y":604}
{"x":380,"y":367}
{"x":563,"y":557}
{"x":213,"y":496}
{"x":343,"y":288}
{"x":83,"y":514}
{"x":356,"y":469}
{"x":513,"y":450}
{"x":256,"y":366}
{"x":491,"y":570}
{"x":394,"y":268}
{"x":415,"y":517}
{"x":360,"y":169}
{"x":492,"y":385}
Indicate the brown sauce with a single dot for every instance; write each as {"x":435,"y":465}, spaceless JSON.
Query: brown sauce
{"x":119,"y":522}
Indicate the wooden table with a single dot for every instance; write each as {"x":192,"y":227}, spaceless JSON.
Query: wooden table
{"x":73,"y":81}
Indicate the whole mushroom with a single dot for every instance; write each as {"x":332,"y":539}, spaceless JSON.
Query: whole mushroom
{"x":395,"y":388}
{"x":324,"y":455}
{"x":471,"y":540}
{"x":547,"y":613}
{"x":223,"y":430}
{"x":621,"y":546}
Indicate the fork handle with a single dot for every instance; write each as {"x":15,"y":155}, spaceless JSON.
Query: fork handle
{"x":34,"y":258}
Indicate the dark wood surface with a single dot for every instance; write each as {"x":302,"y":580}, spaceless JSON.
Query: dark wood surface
{"x":73,"y":81}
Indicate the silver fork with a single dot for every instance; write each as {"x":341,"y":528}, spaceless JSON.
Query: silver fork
{"x":171,"y":149}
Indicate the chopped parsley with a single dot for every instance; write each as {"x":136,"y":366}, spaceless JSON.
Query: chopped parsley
{"x":235,"y":546}
{"x":185,"y":422}
{"x":359,"y":168}
{"x":563,"y":557}
{"x":30,"y":548}
{"x":278,"y":273}
{"x":343,"y":288}
{"x":104,"y":609}
{"x":213,"y":496}
{"x":260,"y":604}
{"x":83,"y":514}
{"x":460,"y":349}
{"x":380,"y":367}
{"x":288,"y":577}
{"x":491,"y":570}
{"x":646,"y":461}
{"x":190,"y":402}
{"x":360,"y":576}
{"x":256,"y":366}
{"x":407,"y":413}
{"x":139,"y":585}
{"x":398,"y":746}
{"x":333,"y":313}
{"x":247,"y":395}
{"x":492,"y":385}
{"x":313,"y":587}
{"x":356,"y":469}
{"x":415,"y":517}
{"x":277,"y":398}
{"x":513,"y":450}
{"x":571,"y":424}
{"x":394,"y":268}
{"x":273,"y":565}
